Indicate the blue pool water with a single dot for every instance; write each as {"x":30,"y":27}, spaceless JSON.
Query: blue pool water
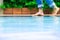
{"x":30,"y":28}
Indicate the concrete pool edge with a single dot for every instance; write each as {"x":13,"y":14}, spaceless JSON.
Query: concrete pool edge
{"x":1,"y":15}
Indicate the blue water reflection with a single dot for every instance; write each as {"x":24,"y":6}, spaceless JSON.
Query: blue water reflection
{"x":30,"y":24}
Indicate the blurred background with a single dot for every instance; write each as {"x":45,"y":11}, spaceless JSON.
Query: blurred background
{"x":30,"y":4}
{"x":24,"y":3}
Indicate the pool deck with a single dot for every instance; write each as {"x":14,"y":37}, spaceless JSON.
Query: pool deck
{"x":25,"y":15}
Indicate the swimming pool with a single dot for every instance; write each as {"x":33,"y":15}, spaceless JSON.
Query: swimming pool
{"x":30,"y":28}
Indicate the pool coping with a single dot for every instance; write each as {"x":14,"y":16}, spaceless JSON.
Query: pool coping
{"x":1,"y":15}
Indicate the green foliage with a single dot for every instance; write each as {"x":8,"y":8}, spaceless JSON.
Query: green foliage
{"x":20,"y":3}
{"x":57,"y":2}
{"x":24,"y":3}
{"x":2,"y":6}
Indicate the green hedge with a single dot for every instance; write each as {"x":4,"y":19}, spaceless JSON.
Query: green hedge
{"x":24,"y":3}
{"x":19,"y":3}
